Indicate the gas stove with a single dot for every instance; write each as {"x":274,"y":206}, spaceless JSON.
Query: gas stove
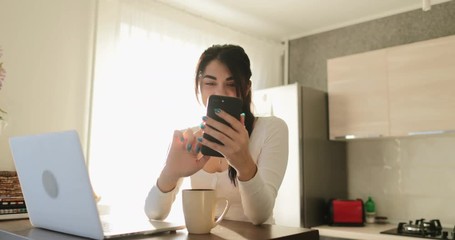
{"x":422,"y":229}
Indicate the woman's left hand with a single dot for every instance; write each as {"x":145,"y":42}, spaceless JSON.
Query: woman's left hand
{"x":235,"y":140}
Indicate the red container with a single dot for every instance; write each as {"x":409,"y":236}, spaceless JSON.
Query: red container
{"x":346,"y":212}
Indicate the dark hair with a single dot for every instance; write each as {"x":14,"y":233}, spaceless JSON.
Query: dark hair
{"x":238,"y":63}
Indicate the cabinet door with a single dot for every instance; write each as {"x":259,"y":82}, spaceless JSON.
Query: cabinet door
{"x":357,"y":88}
{"x":422,"y":87}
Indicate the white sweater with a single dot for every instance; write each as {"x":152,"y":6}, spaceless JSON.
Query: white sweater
{"x":251,"y":200}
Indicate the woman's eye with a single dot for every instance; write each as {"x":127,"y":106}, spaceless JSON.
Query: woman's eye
{"x":209,"y":82}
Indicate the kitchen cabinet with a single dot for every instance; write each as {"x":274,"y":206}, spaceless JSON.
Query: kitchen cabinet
{"x":357,"y":87}
{"x":398,"y":91}
{"x":422,"y":87}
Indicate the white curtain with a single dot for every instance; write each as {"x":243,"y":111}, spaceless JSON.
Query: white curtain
{"x":143,"y":89}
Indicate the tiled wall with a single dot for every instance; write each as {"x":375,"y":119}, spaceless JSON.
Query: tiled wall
{"x":408,"y":178}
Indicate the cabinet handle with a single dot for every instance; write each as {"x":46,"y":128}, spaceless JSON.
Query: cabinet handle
{"x":430,"y":132}
{"x":346,"y":137}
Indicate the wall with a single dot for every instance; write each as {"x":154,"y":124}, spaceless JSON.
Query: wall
{"x":410,"y":178}
{"x":47,"y":52}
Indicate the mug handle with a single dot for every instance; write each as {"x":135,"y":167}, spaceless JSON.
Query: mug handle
{"x":226,"y":208}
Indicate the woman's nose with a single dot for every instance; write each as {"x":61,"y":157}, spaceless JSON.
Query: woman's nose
{"x":221,"y":90}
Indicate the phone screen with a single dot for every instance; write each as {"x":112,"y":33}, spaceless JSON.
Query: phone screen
{"x":232,"y":106}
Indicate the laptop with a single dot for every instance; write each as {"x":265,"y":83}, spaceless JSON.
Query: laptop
{"x":58,"y":193}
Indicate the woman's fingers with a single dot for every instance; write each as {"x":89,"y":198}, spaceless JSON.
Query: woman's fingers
{"x":235,"y":122}
{"x":183,"y":158}
{"x":189,"y":138}
{"x":197,"y":135}
{"x":190,"y":141}
{"x":178,"y":136}
{"x":203,"y":160}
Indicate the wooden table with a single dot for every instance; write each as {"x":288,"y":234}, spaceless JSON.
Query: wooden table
{"x":22,"y":230}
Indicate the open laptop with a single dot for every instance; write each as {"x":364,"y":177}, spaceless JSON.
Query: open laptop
{"x":58,"y":193}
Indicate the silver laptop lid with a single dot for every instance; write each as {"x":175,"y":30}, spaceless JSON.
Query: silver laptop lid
{"x":55,"y":183}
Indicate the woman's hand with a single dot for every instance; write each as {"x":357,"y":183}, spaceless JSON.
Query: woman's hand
{"x":235,"y":142}
{"x":183,"y":159}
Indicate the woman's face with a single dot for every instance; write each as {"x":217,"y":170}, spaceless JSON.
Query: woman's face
{"x":216,"y":80}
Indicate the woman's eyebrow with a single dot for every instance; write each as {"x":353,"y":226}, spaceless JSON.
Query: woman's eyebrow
{"x":214,"y":78}
{"x":209,"y":76}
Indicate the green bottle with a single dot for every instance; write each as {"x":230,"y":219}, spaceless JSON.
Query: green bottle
{"x":370,"y":210}
{"x":370,"y":206}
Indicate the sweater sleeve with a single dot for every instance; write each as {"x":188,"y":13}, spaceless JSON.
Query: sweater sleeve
{"x":158,"y":204}
{"x":259,"y":193}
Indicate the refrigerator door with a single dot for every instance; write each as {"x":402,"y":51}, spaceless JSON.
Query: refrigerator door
{"x":284,"y":102}
{"x":316,"y":168}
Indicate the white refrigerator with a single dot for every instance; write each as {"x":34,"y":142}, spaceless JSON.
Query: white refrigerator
{"x":316,"y":169}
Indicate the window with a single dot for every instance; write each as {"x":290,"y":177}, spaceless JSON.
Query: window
{"x":146,"y":54}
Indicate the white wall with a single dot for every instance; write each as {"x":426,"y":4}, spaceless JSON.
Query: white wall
{"x":47,"y":53}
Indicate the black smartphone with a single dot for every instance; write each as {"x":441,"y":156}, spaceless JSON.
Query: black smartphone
{"x":232,"y":106}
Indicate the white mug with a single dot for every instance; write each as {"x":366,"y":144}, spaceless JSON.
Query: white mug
{"x":199,"y":207}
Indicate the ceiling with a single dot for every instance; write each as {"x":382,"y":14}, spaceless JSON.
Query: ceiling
{"x":290,"y":19}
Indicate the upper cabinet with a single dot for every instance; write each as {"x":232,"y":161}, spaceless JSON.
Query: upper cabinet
{"x":397,"y":91}
{"x":422,"y":87}
{"x":357,"y":96}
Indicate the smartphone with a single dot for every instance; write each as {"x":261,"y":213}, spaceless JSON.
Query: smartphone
{"x":232,"y":106}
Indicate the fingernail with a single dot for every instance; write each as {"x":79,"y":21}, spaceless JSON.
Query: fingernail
{"x":204,"y":118}
{"x":188,"y":147}
{"x":198,"y":148}
{"x":202,"y":126}
{"x":199,"y":139}
{"x":242,"y":114}
{"x":217,"y":110}
{"x":182,"y":139}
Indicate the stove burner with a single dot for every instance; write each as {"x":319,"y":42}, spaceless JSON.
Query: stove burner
{"x":423,"y":229}
{"x":431,"y":228}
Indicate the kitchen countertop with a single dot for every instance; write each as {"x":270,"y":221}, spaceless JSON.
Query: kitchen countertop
{"x":368,"y":232}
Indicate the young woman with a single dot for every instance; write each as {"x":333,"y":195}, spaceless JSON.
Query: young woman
{"x":255,"y":149}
